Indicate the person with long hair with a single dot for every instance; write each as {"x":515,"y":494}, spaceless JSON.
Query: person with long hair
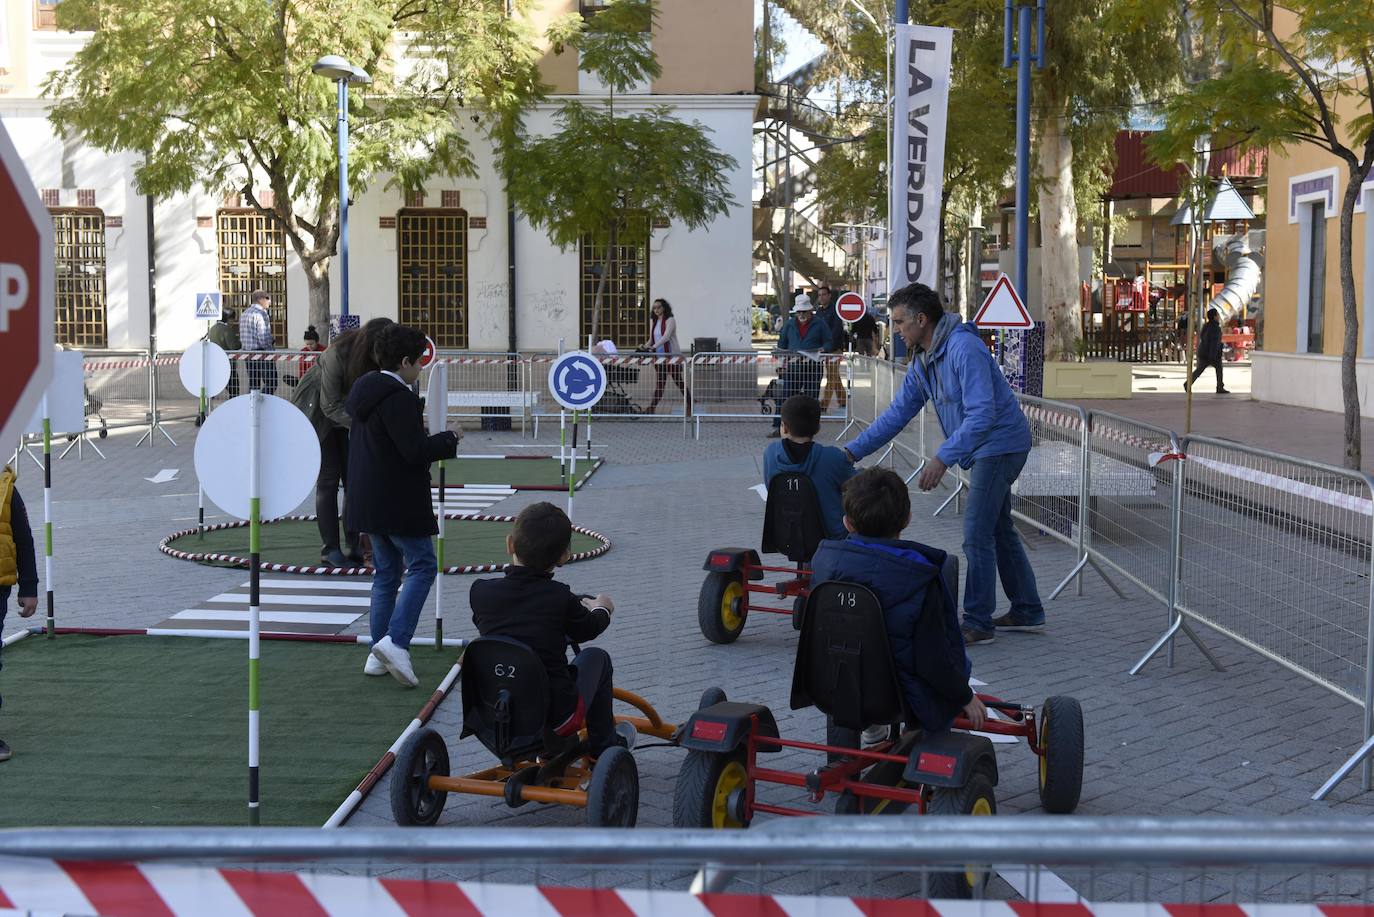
{"x":321,"y":395}
{"x":663,"y":342}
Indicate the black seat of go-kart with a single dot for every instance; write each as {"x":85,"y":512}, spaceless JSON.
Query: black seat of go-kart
{"x":792,"y":524}
{"x":844,"y":665}
{"x":505,"y":698}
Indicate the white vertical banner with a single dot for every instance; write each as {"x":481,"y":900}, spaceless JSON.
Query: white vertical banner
{"x":917,"y":179}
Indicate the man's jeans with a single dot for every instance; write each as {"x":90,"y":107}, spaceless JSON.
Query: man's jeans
{"x":992,"y":546}
{"x":391,"y":554}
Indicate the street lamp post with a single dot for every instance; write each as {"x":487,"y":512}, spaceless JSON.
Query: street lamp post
{"x":336,"y":68}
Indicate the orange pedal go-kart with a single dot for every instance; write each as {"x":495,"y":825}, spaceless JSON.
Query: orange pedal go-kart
{"x":505,"y":704}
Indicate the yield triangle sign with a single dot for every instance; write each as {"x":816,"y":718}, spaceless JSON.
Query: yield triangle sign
{"x":1003,"y":308}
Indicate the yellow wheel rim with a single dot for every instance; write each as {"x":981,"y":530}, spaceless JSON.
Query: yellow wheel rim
{"x":731,"y":619}
{"x":1044,"y":747}
{"x":981,"y":806}
{"x":731,"y":778}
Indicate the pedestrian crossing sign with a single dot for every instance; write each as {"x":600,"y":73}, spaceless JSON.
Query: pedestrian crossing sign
{"x":209,"y":306}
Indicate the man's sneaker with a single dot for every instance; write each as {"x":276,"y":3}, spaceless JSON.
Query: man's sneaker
{"x":874,"y":735}
{"x":977,"y":636}
{"x":334,"y":558}
{"x":396,"y":660}
{"x":5,"y":753}
{"x":1007,"y":621}
{"x":373,"y":666}
{"x":1223,"y":391}
{"x":627,"y":735}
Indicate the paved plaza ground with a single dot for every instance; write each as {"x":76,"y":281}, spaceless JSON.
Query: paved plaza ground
{"x":1253,"y":740}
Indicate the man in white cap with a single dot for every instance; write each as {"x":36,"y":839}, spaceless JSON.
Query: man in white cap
{"x":803,"y":334}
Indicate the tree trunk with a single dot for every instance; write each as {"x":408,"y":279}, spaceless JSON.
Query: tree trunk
{"x":317,"y":284}
{"x":1058,"y":232}
{"x":1350,"y":392}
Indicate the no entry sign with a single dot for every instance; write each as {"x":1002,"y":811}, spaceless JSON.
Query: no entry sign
{"x":27,"y":295}
{"x":850,"y":307}
{"x":427,"y":357}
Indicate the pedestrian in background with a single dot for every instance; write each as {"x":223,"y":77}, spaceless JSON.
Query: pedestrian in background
{"x":663,"y":343}
{"x":225,"y":333}
{"x":806,"y":337}
{"x":389,"y":496}
{"x":825,"y":312}
{"x":18,"y":563}
{"x":255,"y":330}
{"x":1209,"y":350}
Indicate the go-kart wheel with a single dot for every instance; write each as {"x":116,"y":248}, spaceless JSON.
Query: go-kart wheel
{"x":720,"y":608}
{"x":710,"y":697}
{"x":973,"y":798}
{"x":104,"y":432}
{"x":613,"y":796}
{"x":422,"y":756}
{"x":798,"y":609}
{"x":704,"y":786}
{"x":1061,"y":759}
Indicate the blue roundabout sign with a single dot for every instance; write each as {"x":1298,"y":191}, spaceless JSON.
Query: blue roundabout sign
{"x":577,"y":380}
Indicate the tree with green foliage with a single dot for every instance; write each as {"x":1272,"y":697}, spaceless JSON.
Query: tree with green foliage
{"x":605,"y":176}
{"x":219,"y":95}
{"x":1309,"y":80}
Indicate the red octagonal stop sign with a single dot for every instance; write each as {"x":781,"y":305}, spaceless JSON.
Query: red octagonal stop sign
{"x":27,"y":295}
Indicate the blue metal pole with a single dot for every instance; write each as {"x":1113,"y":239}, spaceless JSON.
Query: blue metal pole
{"x":1024,"y":53}
{"x":900,"y":11}
{"x":343,"y":196}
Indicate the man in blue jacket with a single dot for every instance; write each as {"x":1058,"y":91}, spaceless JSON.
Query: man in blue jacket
{"x":809,"y":338}
{"x":985,"y":432}
{"x":919,"y":616}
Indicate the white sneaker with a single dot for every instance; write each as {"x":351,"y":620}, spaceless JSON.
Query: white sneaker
{"x":373,"y":666}
{"x":875,"y":734}
{"x":396,"y":660}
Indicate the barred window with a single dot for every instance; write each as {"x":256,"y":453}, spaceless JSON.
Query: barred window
{"x":45,"y":15}
{"x":252,"y":256}
{"x":432,"y":249}
{"x":624,"y":298}
{"x":79,"y":234}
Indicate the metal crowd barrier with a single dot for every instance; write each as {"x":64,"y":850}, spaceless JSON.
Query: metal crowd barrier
{"x":491,"y":387}
{"x":1036,"y":859}
{"x":750,"y":385}
{"x":632,"y":380}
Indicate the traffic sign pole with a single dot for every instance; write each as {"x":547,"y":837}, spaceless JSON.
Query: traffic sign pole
{"x":254,"y":598}
{"x":47,"y":521}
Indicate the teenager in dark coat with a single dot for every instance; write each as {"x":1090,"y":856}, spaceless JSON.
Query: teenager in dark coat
{"x":921,"y":619}
{"x":1209,"y":350}
{"x":389,"y":498}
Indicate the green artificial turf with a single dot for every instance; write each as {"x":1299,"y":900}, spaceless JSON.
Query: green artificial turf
{"x":154,"y":730}
{"x":467,"y":542}
{"x":518,"y":473}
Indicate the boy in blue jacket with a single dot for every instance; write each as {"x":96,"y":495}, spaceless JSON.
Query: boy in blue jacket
{"x":797,"y":451}
{"x":922,"y":622}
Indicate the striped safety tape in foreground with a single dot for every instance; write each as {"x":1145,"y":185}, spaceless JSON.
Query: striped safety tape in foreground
{"x":122,"y":889}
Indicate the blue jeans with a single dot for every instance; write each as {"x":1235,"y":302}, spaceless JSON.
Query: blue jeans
{"x":391,"y":554}
{"x":992,"y":545}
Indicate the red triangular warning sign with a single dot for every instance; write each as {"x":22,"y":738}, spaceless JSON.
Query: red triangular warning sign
{"x":1003,"y":308}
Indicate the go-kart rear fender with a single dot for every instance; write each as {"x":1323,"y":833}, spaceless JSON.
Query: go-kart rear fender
{"x":949,"y":759}
{"x":734,"y":560}
{"x":725,"y":727}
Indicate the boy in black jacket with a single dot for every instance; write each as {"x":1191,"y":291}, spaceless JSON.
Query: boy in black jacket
{"x":18,"y":564}
{"x":922,"y":623}
{"x":389,"y":494}
{"x":529,"y":605}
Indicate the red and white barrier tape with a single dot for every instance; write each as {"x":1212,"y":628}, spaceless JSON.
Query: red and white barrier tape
{"x":159,"y":889}
{"x":96,"y":365}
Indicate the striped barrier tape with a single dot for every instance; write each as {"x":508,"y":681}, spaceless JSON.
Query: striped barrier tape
{"x":96,"y":365}
{"x":161,"y":889}
{"x":236,"y":560}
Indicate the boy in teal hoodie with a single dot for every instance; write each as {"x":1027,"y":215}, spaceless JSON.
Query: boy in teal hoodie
{"x":826,"y":466}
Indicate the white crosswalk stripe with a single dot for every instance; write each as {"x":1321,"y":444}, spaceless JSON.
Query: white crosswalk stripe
{"x":287,"y":606}
{"x":470,"y":500}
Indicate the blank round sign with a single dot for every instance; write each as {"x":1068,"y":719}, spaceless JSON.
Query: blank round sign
{"x":216,"y":368}
{"x":288,"y":452}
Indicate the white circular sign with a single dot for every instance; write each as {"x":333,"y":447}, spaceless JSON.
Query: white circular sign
{"x":288,"y":455}
{"x":577,"y":380}
{"x":850,"y":307}
{"x":216,"y":366}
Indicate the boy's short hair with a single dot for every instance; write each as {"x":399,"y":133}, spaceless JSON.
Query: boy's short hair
{"x":877,"y":503}
{"x":395,"y":343}
{"x":542,"y":533}
{"x":802,"y":415}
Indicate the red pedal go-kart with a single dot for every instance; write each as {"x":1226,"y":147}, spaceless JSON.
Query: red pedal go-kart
{"x":844,"y":668}
{"x":734,"y":580}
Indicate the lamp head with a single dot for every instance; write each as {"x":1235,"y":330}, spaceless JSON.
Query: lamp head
{"x":334,"y":67}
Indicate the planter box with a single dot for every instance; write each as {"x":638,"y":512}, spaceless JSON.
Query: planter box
{"x":1096,"y":379}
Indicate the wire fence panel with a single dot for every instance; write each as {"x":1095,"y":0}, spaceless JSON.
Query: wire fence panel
{"x":637,"y":385}
{"x":117,"y":387}
{"x":1276,"y":554}
{"x":1049,"y":493}
{"x":1130,"y":511}
{"x":749,"y":385}
{"x":492,"y":387}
